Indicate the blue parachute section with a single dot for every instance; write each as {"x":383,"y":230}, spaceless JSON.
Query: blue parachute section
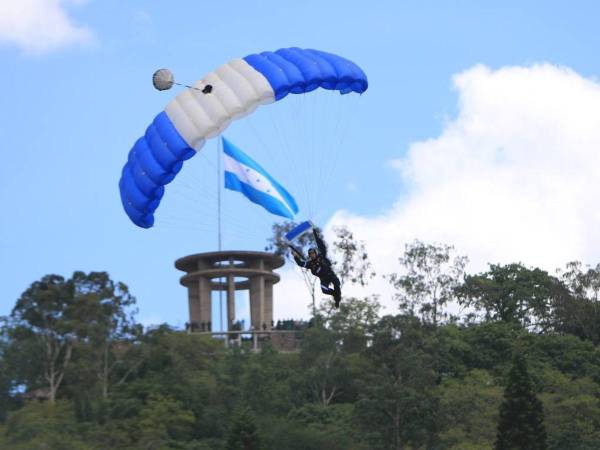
{"x":296,"y":71}
{"x":153,"y":161}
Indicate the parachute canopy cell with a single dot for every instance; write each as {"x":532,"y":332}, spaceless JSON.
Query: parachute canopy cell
{"x":236,"y":89}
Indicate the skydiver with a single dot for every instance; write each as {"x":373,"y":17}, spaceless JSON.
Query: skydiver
{"x":320,"y":266}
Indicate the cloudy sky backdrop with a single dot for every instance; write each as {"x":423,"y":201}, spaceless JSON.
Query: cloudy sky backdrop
{"x":480,"y":129}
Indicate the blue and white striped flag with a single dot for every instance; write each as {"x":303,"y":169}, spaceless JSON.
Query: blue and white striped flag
{"x":299,"y":230}
{"x":243,"y":174}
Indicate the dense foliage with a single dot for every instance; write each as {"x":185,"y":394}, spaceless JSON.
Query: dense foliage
{"x":463,"y":357}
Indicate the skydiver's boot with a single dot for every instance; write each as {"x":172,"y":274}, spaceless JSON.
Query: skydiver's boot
{"x":337,"y":291}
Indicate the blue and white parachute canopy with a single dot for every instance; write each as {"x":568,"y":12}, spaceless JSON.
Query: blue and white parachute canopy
{"x":232,"y":91}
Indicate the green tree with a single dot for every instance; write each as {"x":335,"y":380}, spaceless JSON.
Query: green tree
{"x":54,"y":316}
{"x":6,"y":378}
{"x":265,"y":382}
{"x":314,"y":426}
{"x":45,"y":316}
{"x":469,"y":410}
{"x":490,"y":346}
{"x":182,"y":367}
{"x":397,"y":408}
{"x":352,"y":322}
{"x":579,"y":313}
{"x":162,"y":420}
{"x":521,"y":423}
{"x":430,"y":279}
{"x":243,"y":433}
{"x":352,"y":260}
{"x":106,"y":346}
{"x":43,"y":426}
{"x":311,"y":430}
{"x":571,"y":411}
{"x":107,"y":312}
{"x":513,"y":293}
{"x":325,"y":371}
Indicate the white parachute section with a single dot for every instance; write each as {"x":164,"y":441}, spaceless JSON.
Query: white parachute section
{"x":236,"y":90}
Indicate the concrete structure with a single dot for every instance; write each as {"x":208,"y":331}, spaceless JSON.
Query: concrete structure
{"x":217,"y":271}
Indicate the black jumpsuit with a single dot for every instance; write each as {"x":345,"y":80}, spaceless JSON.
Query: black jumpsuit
{"x":321,"y":267}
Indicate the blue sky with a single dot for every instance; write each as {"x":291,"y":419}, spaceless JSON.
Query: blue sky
{"x":74,"y":104}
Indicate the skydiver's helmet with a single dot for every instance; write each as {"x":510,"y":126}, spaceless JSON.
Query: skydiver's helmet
{"x":312,"y":251}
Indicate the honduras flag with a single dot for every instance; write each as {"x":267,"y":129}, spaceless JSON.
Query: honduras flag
{"x":299,"y":230}
{"x":243,"y":174}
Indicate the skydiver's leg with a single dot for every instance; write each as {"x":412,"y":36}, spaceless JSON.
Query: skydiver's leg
{"x":325,"y":289}
{"x":337,"y":291}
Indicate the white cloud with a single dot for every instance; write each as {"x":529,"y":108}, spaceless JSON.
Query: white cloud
{"x":514,"y":177}
{"x":40,"y":26}
{"x":292,"y":298}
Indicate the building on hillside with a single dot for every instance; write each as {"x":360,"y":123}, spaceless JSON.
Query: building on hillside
{"x":227,"y":272}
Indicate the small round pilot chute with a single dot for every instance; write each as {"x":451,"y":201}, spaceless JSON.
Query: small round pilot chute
{"x":163,"y":79}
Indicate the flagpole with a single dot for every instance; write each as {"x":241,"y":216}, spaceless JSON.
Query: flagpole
{"x":219,"y":151}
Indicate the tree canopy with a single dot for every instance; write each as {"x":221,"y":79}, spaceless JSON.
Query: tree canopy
{"x":520,"y":365}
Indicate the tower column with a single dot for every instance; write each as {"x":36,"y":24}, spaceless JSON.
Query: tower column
{"x":268,"y":314}
{"x":230,"y":301}
{"x":194,"y":305}
{"x":205,"y":303}
{"x":257,"y":307}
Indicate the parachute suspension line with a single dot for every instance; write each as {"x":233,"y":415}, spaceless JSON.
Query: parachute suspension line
{"x":328,"y":168}
{"x":318,"y":122}
{"x":287,"y":167}
{"x":310,"y":138}
{"x":308,"y":160}
{"x":317,"y":157}
{"x":343,"y":125}
{"x":274,"y":156}
{"x":288,"y":154}
{"x":284,"y":158}
{"x":224,"y":217}
{"x":205,"y":90}
{"x":296,"y":155}
{"x":252,"y":210}
{"x":204,"y":218}
{"x":201,"y":211}
{"x":324,"y":147}
{"x":163,"y":80}
{"x":301,"y":149}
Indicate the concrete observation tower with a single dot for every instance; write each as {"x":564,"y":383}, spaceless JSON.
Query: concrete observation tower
{"x":230,"y":271}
